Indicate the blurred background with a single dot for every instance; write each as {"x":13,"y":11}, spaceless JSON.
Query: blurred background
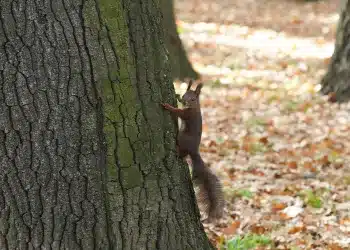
{"x":269,"y":39}
{"x":279,"y":145}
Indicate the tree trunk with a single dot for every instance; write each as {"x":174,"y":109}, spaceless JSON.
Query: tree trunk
{"x":337,"y":78}
{"x":180,"y":65}
{"x":87,"y":156}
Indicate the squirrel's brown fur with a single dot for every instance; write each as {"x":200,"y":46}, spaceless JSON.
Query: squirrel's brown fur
{"x":188,"y":140}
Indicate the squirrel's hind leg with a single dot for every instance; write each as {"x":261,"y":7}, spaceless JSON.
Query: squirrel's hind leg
{"x":181,"y":153}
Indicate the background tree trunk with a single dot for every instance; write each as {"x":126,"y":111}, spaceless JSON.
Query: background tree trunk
{"x":87,"y":157}
{"x":337,"y":78}
{"x":180,"y":65}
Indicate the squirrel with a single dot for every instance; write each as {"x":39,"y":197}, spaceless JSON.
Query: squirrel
{"x":188,"y":141}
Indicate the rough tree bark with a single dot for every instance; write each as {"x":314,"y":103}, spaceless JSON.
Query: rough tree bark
{"x":337,"y":78}
{"x":181,"y":67}
{"x":87,"y":156}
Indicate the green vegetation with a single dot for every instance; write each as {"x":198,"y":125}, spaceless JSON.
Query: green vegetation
{"x":312,"y":199}
{"x":246,"y":242}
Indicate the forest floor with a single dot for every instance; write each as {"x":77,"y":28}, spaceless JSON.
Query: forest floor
{"x":281,"y":149}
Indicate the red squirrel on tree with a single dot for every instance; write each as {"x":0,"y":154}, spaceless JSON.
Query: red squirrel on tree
{"x":188,"y":141}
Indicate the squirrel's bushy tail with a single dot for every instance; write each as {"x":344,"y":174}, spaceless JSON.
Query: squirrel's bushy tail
{"x":210,"y":189}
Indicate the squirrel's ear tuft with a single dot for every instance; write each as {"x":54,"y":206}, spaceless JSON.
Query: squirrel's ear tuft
{"x":189,"y":85}
{"x":198,"y":89}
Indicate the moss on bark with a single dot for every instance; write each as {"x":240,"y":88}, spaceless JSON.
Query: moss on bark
{"x":87,"y":155}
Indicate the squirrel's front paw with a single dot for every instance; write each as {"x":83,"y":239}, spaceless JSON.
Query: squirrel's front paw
{"x":166,"y":105}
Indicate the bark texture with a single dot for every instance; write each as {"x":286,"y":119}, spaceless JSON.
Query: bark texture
{"x":337,"y":78}
{"x":87,"y":156}
{"x":181,"y":67}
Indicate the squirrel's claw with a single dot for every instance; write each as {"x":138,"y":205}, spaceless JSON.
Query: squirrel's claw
{"x":165,"y":105}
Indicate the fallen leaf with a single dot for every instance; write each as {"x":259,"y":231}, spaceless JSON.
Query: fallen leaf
{"x":296,"y":20}
{"x":256,"y":172}
{"x":231,"y":229}
{"x":212,"y":143}
{"x":345,"y":221}
{"x":257,"y":229}
{"x":264,"y":140}
{"x":334,"y":247}
{"x":284,"y":216}
{"x":308,"y":165}
{"x":295,"y":230}
{"x":278,"y":206}
{"x":292,"y":165}
{"x":324,"y":160}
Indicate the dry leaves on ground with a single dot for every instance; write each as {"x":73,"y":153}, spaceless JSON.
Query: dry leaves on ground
{"x":280,"y":148}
